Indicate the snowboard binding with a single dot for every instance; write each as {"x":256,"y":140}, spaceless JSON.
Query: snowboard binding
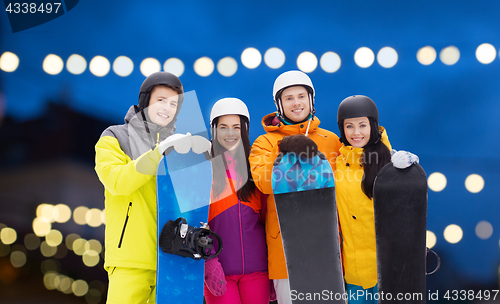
{"x":178,"y":238}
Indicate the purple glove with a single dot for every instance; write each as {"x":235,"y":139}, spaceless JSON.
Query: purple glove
{"x":214,"y":277}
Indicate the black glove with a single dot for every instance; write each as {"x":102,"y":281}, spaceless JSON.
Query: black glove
{"x":299,"y":144}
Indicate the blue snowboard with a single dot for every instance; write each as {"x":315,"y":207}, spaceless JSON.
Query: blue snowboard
{"x":183,"y":184}
{"x":304,"y":192}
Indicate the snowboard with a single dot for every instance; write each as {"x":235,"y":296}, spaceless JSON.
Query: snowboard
{"x":304,"y":193}
{"x":400,"y":204}
{"x":184,"y":184}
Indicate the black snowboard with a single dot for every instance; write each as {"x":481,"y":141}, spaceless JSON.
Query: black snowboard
{"x":400,"y":202}
{"x":304,"y":193}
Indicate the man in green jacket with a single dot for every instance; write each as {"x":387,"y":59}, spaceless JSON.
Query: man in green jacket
{"x":126,"y":159}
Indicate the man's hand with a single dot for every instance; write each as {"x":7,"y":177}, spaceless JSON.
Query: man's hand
{"x":299,"y":144}
{"x":180,"y":142}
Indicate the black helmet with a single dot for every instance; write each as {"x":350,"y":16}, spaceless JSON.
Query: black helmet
{"x":156,"y":79}
{"x":358,"y":106}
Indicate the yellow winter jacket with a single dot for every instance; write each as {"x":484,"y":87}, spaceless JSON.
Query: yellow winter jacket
{"x":130,"y":196}
{"x":356,"y":218}
{"x":264,"y":151}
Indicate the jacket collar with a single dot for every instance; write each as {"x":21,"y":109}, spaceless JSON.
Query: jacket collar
{"x":271,"y":123}
{"x":141,"y":140}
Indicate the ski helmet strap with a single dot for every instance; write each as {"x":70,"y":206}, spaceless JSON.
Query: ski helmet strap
{"x":279,"y":106}
{"x":311,"y":104}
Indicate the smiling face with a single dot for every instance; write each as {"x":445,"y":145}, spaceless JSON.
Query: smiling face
{"x":229,"y":131}
{"x":357,"y":131}
{"x":295,"y":102}
{"x":162,"y":105}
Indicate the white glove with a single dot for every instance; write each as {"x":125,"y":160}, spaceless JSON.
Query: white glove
{"x":403,"y":159}
{"x":200,"y":144}
{"x":180,"y":142}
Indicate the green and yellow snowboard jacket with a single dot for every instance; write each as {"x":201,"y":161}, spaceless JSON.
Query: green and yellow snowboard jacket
{"x":130,"y":196}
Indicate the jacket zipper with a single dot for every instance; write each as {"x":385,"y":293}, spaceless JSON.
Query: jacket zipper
{"x":125,"y":225}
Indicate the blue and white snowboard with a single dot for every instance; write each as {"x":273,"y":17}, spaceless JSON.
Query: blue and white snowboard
{"x":304,"y":192}
{"x":184,"y":183}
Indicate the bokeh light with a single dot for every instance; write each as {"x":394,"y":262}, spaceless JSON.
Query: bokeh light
{"x":251,"y":58}
{"x":31,"y":241}
{"x":80,"y":215}
{"x":449,"y":55}
{"x":204,"y":66}
{"x":484,"y":230}
{"x":387,"y":57}
{"x":41,"y":226}
{"x":330,"y":62}
{"x":123,"y":66}
{"x":53,"y":64}
{"x":95,"y":245}
{"x":430,"y":240}
{"x":9,"y":62}
{"x":65,"y":284}
{"x":45,"y":212}
{"x":307,"y":62}
{"x":274,"y":58}
{"x":453,"y":234}
{"x":76,"y":64}
{"x":54,"y":238}
{"x":93,"y":217}
{"x":227,"y":66}
{"x":364,"y":57}
{"x":80,"y":288}
{"x":149,"y":66}
{"x":80,"y":246}
{"x":8,"y":235}
{"x":99,"y":66}
{"x":49,"y":280}
{"x":47,"y":250}
{"x":61,"y":213}
{"x":70,"y":239}
{"x":436,"y":181}
{"x":18,"y":259}
{"x":90,"y":258}
{"x":174,"y":66}
{"x":474,"y":183}
{"x":426,"y":55}
{"x":486,"y":53}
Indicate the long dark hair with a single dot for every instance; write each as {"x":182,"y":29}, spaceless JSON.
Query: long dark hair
{"x":219,"y":177}
{"x":375,"y":156}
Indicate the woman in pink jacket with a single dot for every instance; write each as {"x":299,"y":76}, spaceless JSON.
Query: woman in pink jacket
{"x":239,"y":274}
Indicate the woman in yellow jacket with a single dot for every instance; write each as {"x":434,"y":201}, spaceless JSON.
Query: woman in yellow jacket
{"x":365,"y":151}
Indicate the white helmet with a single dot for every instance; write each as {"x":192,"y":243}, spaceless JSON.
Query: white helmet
{"x":290,"y":79}
{"x":228,"y":106}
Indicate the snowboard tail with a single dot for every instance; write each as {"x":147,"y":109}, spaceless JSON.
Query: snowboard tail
{"x":400,"y":204}
{"x":183,"y":184}
{"x":304,"y":194}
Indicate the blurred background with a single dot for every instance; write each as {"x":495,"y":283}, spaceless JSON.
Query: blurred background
{"x":432,"y":67}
